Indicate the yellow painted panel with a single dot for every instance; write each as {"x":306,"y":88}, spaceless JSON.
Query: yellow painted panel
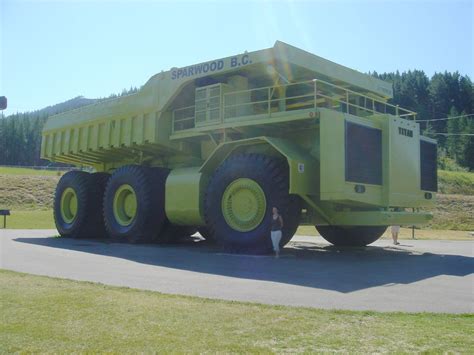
{"x":94,"y":141}
{"x":126,"y":132}
{"x":183,"y":196}
{"x":64,"y":138}
{"x":75,"y":140}
{"x":114,"y":132}
{"x":139,"y":131}
{"x":108,"y":128}
{"x":84,"y":135}
{"x":56,"y":143}
{"x":49,"y":145}
{"x":43,"y":146}
{"x":334,"y":186}
{"x":147,"y":128}
{"x":102,"y":135}
{"x":61,"y":146}
{"x":133,"y":130}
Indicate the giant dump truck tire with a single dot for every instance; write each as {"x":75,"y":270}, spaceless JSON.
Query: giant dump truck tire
{"x":292,"y":219}
{"x":134,"y":208}
{"x":78,"y":205}
{"x":351,"y":236}
{"x":99,"y":182}
{"x":239,"y":200}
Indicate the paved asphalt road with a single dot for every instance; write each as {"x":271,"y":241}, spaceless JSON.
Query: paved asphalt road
{"x":433,"y":276}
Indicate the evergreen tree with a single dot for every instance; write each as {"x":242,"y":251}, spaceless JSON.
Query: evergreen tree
{"x":468,"y":153}
{"x":453,"y":142}
{"x":428,"y":131}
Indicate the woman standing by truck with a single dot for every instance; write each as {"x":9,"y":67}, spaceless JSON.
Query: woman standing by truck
{"x":277,"y":225}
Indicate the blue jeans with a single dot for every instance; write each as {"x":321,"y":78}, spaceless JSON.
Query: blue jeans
{"x":276,"y":237}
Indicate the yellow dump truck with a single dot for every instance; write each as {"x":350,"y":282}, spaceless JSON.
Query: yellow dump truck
{"x":214,"y":146}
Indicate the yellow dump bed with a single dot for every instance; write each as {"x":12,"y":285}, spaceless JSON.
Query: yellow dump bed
{"x":112,"y":129}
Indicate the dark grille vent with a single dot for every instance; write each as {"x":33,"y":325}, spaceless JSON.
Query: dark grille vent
{"x":363,"y":154}
{"x":428,"y":166}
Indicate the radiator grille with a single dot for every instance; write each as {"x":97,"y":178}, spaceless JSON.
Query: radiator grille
{"x":363,"y":154}
{"x":428,"y":166}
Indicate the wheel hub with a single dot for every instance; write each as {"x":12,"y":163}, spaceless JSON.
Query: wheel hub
{"x":125,"y":205}
{"x":244,"y":205}
{"x":69,"y":205}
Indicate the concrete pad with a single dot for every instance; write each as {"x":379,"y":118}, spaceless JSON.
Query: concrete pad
{"x":417,"y":275}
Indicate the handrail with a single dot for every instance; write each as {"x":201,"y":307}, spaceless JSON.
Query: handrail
{"x":396,"y":109}
{"x":184,"y":108}
{"x":316,"y":93}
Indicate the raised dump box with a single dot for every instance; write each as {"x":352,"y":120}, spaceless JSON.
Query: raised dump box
{"x":214,"y":146}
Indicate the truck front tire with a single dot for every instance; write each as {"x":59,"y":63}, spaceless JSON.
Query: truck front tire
{"x":351,"y":236}
{"x":134,"y":209}
{"x":239,"y":201}
{"x":292,"y":220}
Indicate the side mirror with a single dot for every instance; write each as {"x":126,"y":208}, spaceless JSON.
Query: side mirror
{"x":3,"y":102}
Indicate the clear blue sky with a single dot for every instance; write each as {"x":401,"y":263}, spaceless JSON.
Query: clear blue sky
{"x":52,"y":51}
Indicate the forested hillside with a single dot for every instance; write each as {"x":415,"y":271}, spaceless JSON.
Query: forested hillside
{"x":443,"y":95}
{"x":20,"y":133}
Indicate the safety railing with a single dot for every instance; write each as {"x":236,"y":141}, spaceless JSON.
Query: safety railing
{"x":303,"y":95}
{"x":291,"y":97}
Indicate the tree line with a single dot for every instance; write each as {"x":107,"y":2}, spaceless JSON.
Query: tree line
{"x":20,"y":133}
{"x":443,"y":95}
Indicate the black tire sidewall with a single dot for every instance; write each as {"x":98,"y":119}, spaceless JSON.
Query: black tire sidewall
{"x":351,"y":236}
{"x":292,"y":218}
{"x":150,"y":214}
{"x":126,"y":176}
{"x":96,"y":218}
{"x":79,"y":181}
{"x":254,"y":167}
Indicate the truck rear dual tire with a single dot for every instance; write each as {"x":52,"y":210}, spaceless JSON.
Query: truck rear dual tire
{"x":239,"y":201}
{"x":134,"y":208}
{"x":351,"y":236}
{"x":78,"y":205}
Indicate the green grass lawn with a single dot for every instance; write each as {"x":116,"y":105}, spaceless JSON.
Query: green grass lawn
{"x":36,"y":219}
{"x":41,"y":314}
{"x":456,"y":182}
{"x":27,"y":171}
